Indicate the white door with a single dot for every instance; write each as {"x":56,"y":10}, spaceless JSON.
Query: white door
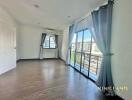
{"x":7,"y":47}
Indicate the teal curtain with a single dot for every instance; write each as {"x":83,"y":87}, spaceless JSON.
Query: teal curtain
{"x":102,"y":23}
{"x":70,"y":37}
{"x":41,"y":45}
{"x":57,"y":47}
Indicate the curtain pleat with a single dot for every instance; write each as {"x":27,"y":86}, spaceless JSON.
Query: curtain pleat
{"x":70,"y":37}
{"x":101,"y":32}
{"x":41,"y":45}
{"x":57,"y":45}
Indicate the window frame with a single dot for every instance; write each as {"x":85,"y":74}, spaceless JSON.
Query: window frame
{"x":50,"y":42}
{"x":79,"y":68}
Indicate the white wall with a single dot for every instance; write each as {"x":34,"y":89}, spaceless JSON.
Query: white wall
{"x":64,"y":43}
{"x":29,"y":43}
{"x":122,"y":46}
{"x":7,"y":42}
{"x":17,"y":42}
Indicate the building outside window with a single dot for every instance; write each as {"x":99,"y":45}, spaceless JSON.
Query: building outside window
{"x":49,"y":42}
{"x":85,"y":55}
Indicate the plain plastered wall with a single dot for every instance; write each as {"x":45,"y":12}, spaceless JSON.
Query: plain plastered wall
{"x":7,"y":42}
{"x":122,"y":46}
{"x":29,"y":43}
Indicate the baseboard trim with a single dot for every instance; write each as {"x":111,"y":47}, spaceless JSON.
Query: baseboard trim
{"x":50,"y":59}
{"x":62,"y":60}
{"x":7,"y":70}
{"x":27,"y":59}
{"x":36,"y":59}
{"x":18,"y":60}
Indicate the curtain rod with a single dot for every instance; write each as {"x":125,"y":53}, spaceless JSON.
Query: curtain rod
{"x":95,"y":10}
{"x":111,"y":0}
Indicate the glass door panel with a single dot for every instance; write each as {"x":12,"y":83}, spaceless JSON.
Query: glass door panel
{"x":95,"y":61}
{"x":78,"y":60}
{"x":87,"y":41}
{"x":79,"y":41}
{"x":78,"y":50}
{"x":86,"y":51}
{"x":72,"y":54}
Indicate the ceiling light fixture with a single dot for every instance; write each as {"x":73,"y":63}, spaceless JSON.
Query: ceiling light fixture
{"x":36,"y":6}
{"x":69,"y":16}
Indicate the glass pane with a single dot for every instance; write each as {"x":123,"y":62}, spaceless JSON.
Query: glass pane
{"x":86,"y":51}
{"x":73,"y":46}
{"x":78,"y":60}
{"x":95,"y":62}
{"x":46,"y":43}
{"x":86,"y":61}
{"x":79,"y":41}
{"x":73,"y":50}
{"x":78,"y":49}
{"x":85,"y":64}
{"x":72,"y":58}
{"x":86,"y":41}
{"x":52,"y":42}
{"x":95,"y":49}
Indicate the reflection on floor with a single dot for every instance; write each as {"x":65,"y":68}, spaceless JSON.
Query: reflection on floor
{"x":46,"y":80}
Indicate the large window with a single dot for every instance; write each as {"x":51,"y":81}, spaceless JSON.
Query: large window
{"x":49,"y":42}
{"x":85,"y":55}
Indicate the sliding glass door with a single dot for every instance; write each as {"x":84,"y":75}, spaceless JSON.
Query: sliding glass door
{"x":85,"y":55}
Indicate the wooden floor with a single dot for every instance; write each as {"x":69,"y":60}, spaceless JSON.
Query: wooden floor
{"x":46,"y":80}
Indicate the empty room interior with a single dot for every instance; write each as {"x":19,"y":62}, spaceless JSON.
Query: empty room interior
{"x":65,"y":49}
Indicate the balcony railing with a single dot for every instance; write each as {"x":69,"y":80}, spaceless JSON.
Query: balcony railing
{"x":89,"y":61}
{"x":95,"y":62}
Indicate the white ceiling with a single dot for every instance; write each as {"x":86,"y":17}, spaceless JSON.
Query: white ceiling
{"x":50,"y":13}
